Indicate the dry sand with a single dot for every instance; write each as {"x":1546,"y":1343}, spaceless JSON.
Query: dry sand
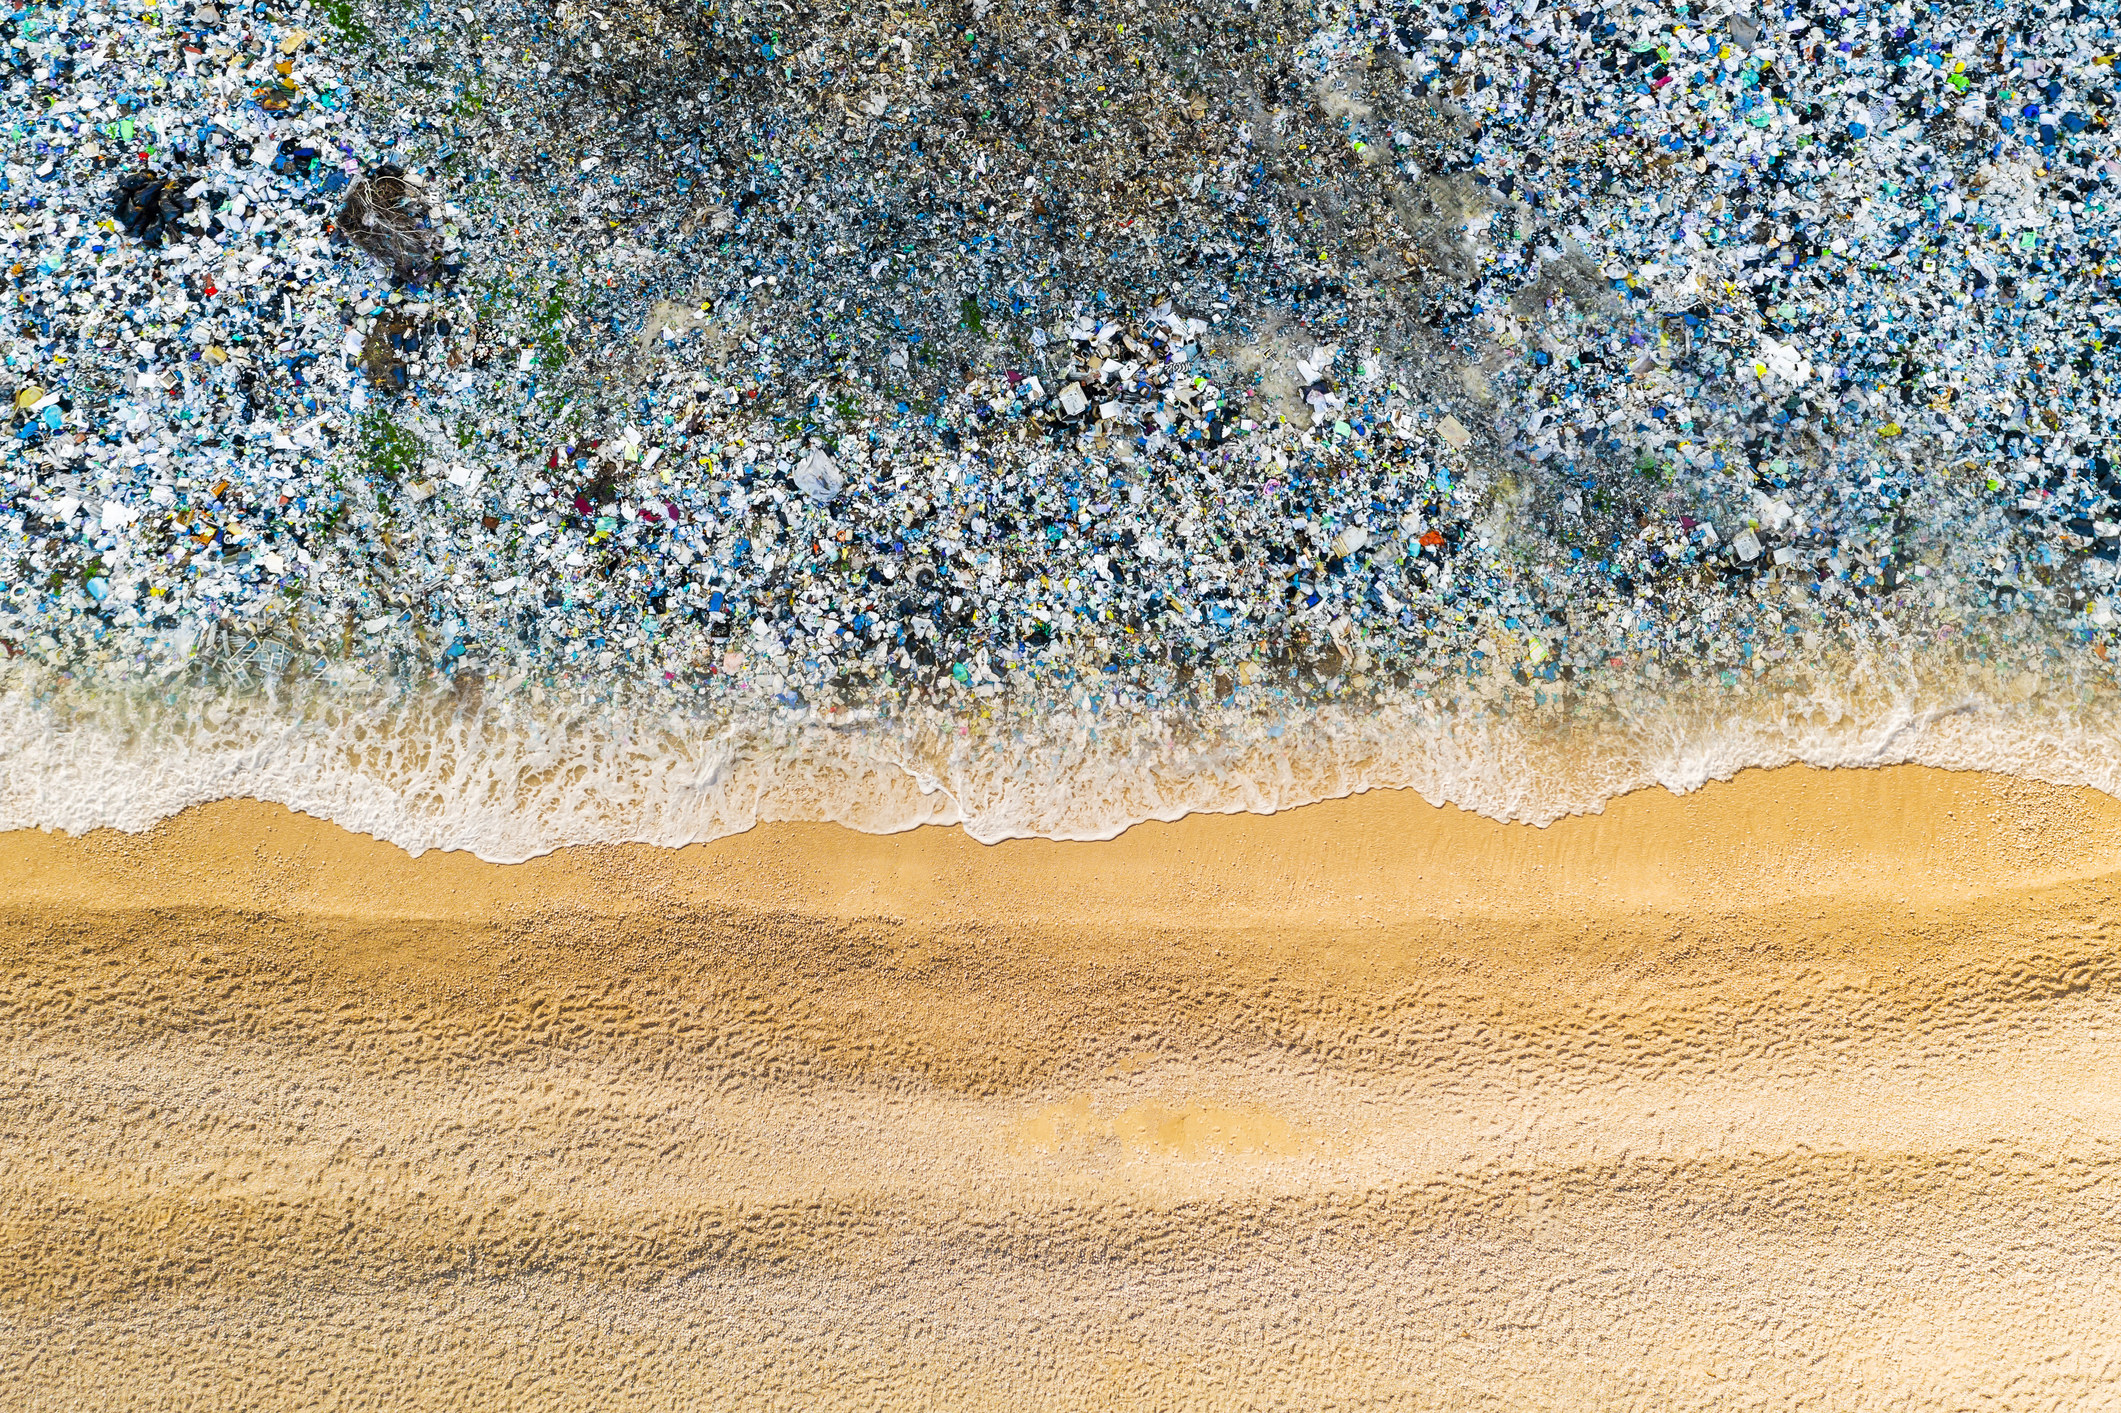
{"x":1800,"y":1090}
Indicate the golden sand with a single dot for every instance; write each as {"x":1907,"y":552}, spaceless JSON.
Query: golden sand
{"x":1799,"y":1090}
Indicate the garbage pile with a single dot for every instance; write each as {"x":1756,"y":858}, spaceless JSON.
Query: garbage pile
{"x":1860,"y":250}
{"x":1198,"y":351}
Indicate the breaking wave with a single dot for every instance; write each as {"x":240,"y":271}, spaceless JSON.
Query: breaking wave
{"x":511,"y":770}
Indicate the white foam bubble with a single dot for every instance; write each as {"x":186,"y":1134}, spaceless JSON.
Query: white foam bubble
{"x":507,"y":776}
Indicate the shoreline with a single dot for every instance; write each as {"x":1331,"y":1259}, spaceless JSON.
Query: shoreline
{"x":508,"y":777}
{"x":1649,"y":848}
{"x":1792,"y":1083}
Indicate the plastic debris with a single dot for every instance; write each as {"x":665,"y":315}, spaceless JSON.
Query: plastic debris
{"x":853,"y":349}
{"x":816,"y":476}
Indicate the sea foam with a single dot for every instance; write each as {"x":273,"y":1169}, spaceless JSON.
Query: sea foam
{"x":509,"y":771}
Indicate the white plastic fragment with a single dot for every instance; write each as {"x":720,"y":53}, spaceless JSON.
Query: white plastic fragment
{"x":817,"y":477}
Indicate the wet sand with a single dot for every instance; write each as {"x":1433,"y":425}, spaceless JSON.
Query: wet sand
{"x":1801,"y":1089}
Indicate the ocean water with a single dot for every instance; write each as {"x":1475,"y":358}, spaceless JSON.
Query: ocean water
{"x":808,"y":418}
{"x":509,"y":771}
